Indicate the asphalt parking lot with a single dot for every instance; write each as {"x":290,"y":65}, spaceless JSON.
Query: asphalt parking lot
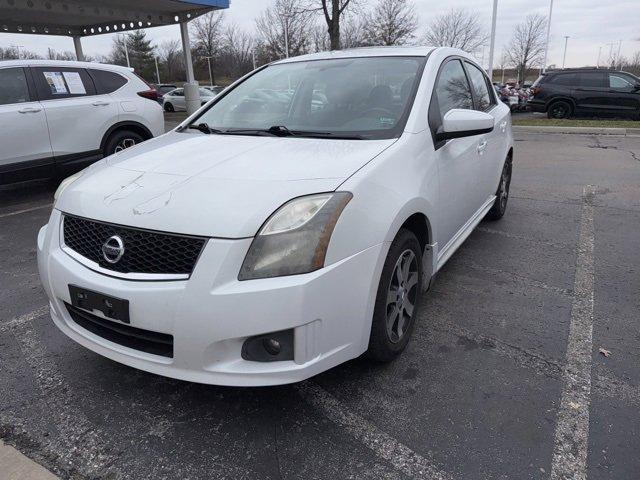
{"x":503,"y":378}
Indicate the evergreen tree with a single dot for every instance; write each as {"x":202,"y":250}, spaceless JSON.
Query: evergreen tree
{"x":141,"y":53}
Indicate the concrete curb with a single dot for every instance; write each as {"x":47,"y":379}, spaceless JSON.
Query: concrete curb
{"x":627,"y":132}
{"x":15,"y":466}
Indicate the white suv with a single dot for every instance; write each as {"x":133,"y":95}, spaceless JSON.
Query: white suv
{"x":289,"y":225}
{"x":58,"y":116}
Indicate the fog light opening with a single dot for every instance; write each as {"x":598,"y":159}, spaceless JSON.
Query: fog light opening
{"x":270,"y":347}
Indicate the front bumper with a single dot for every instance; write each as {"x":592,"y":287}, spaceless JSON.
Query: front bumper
{"x":212,"y":313}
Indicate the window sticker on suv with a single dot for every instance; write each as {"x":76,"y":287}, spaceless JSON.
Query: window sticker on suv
{"x":56,"y":83}
{"x":74,"y":82}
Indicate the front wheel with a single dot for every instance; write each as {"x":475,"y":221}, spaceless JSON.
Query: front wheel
{"x":168,"y":107}
{"x":396,"y":304}
{"x":502,"y":194}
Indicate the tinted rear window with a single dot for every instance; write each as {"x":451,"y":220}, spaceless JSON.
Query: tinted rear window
{"x":591,"y":79}
{"x":567,"y":79}
{"x":107,"y":82}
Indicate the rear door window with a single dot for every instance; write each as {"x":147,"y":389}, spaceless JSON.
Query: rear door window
{"x":591,"y":79}
{"x":55,"y":83}
{"x":107,"y":82}
{"x":565,"y":79}
{"x":14,"y":86}
{"x":483,"y":99}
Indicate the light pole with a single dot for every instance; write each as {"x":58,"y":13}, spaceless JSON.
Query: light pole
{"x":210,"y":71}
{"x":618,"y":57}
{"x":599,"y":53}
{"x":564,"y":55}
{"x":157,"y":69}
{"x":126,"y":48}
{"x":493,"y":39}
{"x":286,"y":33}
{"x":546,"y":48}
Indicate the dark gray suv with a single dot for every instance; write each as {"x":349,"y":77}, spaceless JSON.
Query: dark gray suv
{"x":564,"y":93}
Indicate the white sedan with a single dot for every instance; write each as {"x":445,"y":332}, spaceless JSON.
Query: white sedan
{"x":174,"y":100}
{"x":290,"y":226}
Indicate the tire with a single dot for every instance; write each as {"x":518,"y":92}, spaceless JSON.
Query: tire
{"x":502,"y":194}
{"x":389,"y":336}
{"x":169,"y":107}
{"x":121,"y":140}
{"x":559,"y":109}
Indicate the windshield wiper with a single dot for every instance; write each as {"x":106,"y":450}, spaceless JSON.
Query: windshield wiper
{"x":204,"y":128}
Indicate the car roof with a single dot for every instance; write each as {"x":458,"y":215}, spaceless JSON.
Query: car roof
{"x":405,"y":51}
{"x":64,"y":63}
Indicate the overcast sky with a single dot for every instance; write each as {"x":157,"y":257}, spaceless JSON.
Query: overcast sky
{"x":590,"y":24}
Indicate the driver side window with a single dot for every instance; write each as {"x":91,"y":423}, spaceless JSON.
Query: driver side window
{"x":452,"y":88}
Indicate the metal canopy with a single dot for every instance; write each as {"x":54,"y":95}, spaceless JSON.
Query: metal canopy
{"x":94,"y":17}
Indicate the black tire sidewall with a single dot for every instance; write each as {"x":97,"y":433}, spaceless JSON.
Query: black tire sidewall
{"x":168,"y":107}
{"x":380,"y":346}
{"x":565,"y":105}
{"x":117,"y":137}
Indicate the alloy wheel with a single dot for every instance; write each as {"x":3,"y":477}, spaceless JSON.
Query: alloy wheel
{"x":124,"y":144}
{"x":402,"y":295}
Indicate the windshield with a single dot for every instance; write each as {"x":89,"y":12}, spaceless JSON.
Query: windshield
{"x":368,"y":97}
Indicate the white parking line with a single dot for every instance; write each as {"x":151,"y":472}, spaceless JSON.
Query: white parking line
{"x":572,"y":426}
{"x":383,"y":445}
{"x":26,"y":210}
{"x":26,"y":318}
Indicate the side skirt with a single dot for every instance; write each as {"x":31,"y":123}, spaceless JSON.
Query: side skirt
{"x":459,"y":238}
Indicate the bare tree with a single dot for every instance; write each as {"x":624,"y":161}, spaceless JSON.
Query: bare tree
{"x":333,"y":12}
{"x":207,"y":33}
{"x":284,"y":17}
{"x":527,"y":44}
{"x":353,"y":32}
{"x":238,"y":46}
{"x":172,"y":60}
{"x":458,"y":28}
{"x":392,"y":22}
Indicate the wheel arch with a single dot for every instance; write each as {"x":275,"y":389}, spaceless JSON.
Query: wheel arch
{"x":415,"y":217}
{"x":136,"y":127}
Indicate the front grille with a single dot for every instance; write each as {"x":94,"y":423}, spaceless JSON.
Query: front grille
{"x":145,"y":251}
{"x":125,"y":335}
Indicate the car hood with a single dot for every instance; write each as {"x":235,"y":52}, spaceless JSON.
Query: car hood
{"x":212,"y":185}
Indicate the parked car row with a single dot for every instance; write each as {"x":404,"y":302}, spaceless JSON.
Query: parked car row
{"x":57,"y":117}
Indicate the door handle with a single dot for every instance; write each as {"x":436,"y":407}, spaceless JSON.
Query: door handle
{"x":100,"y":104}
{"x":503,"y":126}
{"x":29,"y":110}
{"x":482,"y":146}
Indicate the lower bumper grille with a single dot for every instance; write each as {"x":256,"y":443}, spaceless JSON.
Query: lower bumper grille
{"x":131,"y":337}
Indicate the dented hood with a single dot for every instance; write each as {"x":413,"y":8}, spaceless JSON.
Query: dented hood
{"x":212,"y":185}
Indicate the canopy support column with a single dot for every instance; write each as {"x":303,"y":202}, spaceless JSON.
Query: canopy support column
{"x":191,"y":93}
{"x":77,"y":42}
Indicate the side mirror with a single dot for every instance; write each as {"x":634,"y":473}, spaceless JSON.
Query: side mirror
{"x":459,"y":123}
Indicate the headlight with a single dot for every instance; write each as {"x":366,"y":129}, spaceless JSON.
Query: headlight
{"x":65,"y":183}
{"x":295,"y":238}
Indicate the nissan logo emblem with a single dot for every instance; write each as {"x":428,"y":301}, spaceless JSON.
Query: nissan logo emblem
{"x":113,"y":249}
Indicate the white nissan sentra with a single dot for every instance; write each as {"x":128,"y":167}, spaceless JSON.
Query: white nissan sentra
{"x":289,"y":225}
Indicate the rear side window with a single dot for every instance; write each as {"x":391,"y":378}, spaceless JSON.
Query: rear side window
{"x":62,"y":82}
{"x":177,"y":93}
{"x":14,"y":86}
{"x":452,"y":88}
{"x":566,"y":79}
{"x":483,"y":99}
{"x":107,"y":82}
{"x":591,"y":79}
